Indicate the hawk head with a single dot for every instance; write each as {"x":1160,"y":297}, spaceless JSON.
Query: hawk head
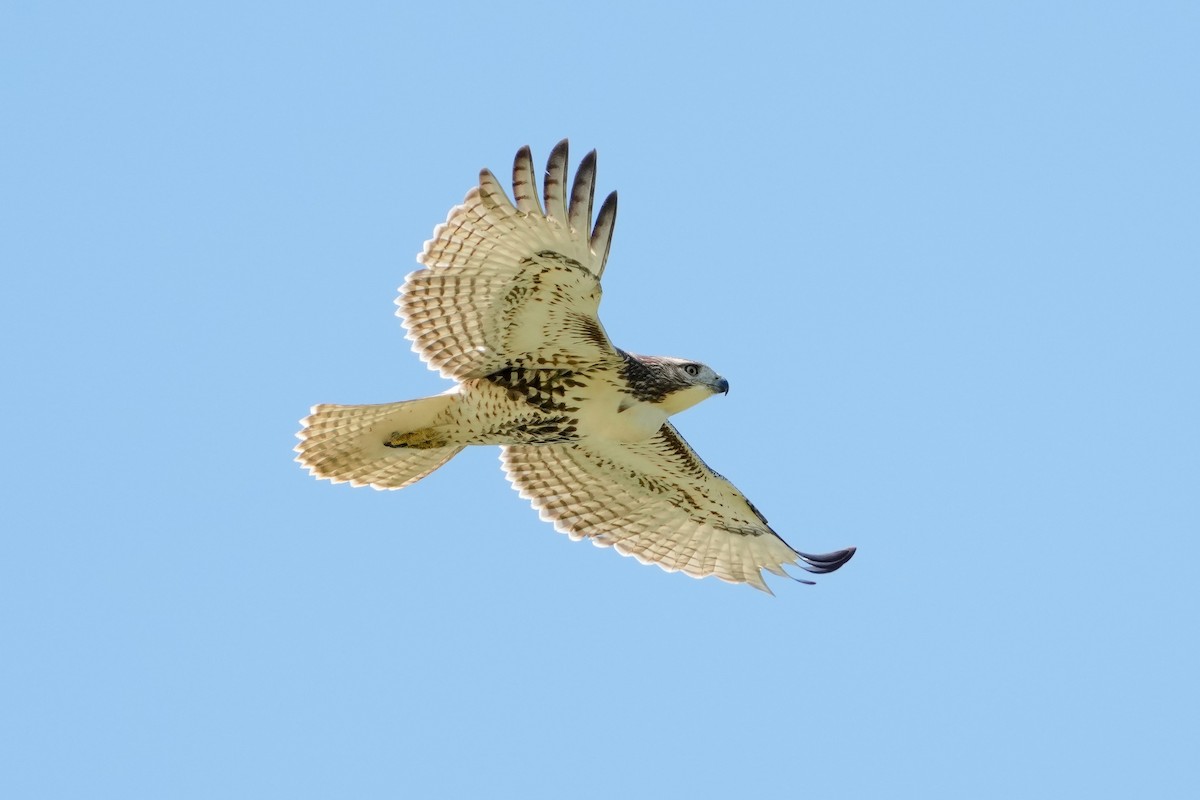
{"x":679,"y":384}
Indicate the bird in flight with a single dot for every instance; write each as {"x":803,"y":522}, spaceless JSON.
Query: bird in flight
{"x":506,"y":307}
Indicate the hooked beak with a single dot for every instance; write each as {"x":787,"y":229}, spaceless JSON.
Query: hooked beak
{"x":721,"y":386}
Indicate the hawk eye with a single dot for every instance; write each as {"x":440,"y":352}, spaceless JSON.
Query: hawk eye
{"x":691,"y":369}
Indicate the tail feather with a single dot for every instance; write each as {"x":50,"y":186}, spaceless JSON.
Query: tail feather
{"x":347,"y":443}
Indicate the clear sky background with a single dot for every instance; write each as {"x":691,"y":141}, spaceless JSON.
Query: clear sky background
{"x":945,"y":253}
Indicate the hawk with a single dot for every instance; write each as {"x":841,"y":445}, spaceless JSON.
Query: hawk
{"x":506,"y":307}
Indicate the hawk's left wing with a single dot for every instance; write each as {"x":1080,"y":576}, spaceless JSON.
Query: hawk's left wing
{"x":657,"y":501}
{"x":508,"y":284}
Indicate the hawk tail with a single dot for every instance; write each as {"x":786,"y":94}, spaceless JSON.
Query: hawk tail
{"x":387,"y":446}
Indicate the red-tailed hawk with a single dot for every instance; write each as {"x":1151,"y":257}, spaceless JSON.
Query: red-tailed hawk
{"x":506,"y":306}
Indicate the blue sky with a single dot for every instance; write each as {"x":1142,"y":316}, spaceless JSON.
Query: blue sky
{"x":945,"y":253}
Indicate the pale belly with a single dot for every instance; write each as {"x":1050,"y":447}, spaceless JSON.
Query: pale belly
{"x":614,"y":415}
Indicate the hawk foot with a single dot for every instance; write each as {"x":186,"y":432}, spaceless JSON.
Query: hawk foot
{"x":419,"y":439}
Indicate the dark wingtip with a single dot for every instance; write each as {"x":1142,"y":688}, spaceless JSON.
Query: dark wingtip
{"x":560,"y":150}
{"x":826,"y":562}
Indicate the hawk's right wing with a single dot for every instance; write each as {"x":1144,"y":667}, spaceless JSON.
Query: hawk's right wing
{"x":657,"y":501}
{"x":512,"y":285}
